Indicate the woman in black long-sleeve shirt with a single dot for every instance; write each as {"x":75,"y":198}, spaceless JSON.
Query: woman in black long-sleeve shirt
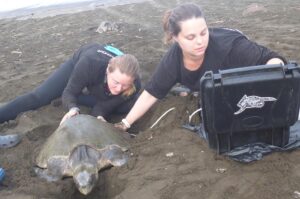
{"x":109,"y":77}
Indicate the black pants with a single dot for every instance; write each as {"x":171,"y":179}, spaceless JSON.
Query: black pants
{"x":49,"y":90}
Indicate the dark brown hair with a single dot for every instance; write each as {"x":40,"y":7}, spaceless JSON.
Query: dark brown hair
{"x":172,"y":18}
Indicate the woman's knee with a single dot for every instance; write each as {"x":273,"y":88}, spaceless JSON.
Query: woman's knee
{"x":36,"y":100}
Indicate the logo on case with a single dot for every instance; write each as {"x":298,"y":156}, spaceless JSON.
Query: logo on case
{"x":252,"y":101}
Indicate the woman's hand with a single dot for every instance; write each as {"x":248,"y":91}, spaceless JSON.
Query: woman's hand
{"x":72,"y":112}
{"x":101,"y":118}
{"x":123,"y":125}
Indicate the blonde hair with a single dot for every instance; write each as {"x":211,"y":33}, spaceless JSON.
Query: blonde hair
{"x":127,"y":64}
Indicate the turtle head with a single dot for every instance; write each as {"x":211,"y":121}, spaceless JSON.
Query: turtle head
{"x":85,"y":178}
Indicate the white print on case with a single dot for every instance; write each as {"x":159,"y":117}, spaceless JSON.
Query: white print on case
{"x":252,"y":102}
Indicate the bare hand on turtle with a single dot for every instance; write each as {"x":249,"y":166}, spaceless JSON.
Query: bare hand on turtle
{"x":123,"y":125}
{"x":101,"y":118}
{"x":72,"y":112}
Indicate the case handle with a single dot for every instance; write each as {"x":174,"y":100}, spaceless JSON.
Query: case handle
{"x":248,"y":69}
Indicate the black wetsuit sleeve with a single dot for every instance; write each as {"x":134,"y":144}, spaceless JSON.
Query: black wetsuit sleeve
{"x":78,"y":80}
{"x":247,"y":53}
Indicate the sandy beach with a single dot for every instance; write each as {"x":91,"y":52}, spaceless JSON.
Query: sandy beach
{"x":32,"y":49}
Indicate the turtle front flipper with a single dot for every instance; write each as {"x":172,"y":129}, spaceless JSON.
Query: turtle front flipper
{"x":57,"y":167}
{"x":113,"y":155}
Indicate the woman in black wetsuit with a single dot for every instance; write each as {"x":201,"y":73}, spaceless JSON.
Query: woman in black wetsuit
{"x":109,"y":78}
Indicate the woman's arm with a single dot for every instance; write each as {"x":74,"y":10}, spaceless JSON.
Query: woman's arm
{"x":77,"y":81}
{"x":141,"y":106}
{"x":248,"y":53}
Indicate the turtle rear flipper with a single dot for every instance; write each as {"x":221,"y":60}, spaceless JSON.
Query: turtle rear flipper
{"x":57,"y":167}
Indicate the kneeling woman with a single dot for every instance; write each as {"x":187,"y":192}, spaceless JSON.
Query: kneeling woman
{"x":97,"y":76}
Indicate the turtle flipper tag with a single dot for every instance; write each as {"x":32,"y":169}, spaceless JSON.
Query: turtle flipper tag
{"x":113,"y":50}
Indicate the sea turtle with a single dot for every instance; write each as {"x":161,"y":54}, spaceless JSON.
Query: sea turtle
{"x":80,"y":147}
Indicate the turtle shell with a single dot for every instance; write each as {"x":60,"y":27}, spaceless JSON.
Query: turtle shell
{"x":80,"y":130}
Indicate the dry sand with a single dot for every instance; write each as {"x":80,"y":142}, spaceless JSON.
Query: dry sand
{"x":31,"y":49}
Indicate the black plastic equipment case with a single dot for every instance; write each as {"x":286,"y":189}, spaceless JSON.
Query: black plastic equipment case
{"x":250,"y":104}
